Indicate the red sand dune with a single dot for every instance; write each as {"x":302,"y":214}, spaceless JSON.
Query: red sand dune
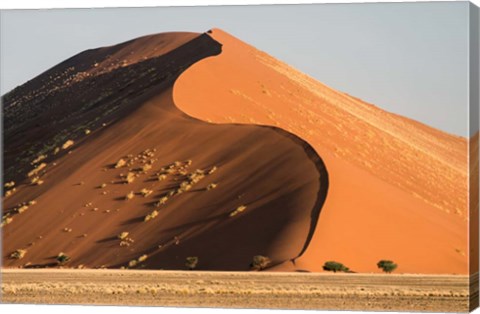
{"x":398,"y":188}
{"x":277,"y":176}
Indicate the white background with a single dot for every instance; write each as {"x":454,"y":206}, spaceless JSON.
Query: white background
{"x":40,"y":309}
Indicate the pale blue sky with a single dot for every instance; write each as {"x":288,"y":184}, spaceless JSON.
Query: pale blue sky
{"x":407,"y":58}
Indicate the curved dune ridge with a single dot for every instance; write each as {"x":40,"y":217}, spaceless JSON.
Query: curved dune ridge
{"x":397,"y":189}
{"x":223,"y":193}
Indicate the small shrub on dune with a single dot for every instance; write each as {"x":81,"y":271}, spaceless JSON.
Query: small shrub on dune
{"x":151,"y":216}
{"x":260,"y":262}
{"x":36,"y":181}
{"x":38,"y":159}
{"x":212,"y":170}
{"x":238,"y":210}
{"x":387,"y":266}
{"x":161,"y":177}
{"x":185,"y":186}
{"x":191,"y":262}
{"x":196,"y":176}
{"x":146,"y":167}
{"x":18,"y":254}
{"x":10,"y":192}
{"x":335,"y":266}
{"x":123,"y":235}
{"x":130,"y":195}
{"x":130,"y":177}
{"x":37,"y":169}
{"x":211,"y":186}
{"x":67,"y":144}
{"x":146,"y":192}
{"x":10,"y":184}
{"x":21,"y":209}
{"x":162,"y":201}
{"x":6,"y":220}
{"x":132,"y":263}
{"x":62,"y":258}
{"x":142,"y":258}
{"x":124,"y":239}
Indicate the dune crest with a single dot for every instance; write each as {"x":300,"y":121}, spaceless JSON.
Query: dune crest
{"x":398,"y":188}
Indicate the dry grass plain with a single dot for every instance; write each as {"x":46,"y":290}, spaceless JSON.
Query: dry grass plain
{"x":443,"y":293}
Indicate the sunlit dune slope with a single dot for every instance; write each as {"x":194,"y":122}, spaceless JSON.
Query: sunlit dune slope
{"x":222,"y":193}
{"x":398,"y":188}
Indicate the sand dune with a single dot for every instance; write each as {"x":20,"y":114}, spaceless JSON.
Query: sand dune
{"x":239,"y":191}
{"x":398,"y":188}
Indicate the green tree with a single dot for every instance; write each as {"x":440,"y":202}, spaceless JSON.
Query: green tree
{"x":191,"y":262}
{"x":335,"y":266}
{"x":387,"y":266}
{"x":62,"y":258}
{"x":260,"y":262}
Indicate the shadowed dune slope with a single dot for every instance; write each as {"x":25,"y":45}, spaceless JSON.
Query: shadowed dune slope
{"x":398,"y":188}
{"x":238,"y":190}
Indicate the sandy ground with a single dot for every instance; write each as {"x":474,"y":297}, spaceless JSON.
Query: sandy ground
{"x":238,"y":290}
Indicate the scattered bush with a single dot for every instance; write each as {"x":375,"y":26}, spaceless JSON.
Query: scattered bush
{"x":37,"y":169}
{"x":120,"y":163}
{"x":146,"y":167}
{"x":211,"y":186}
{"x":67,"y":144}
{"x":102,"y":186}
{"x":36,"y":181}
{"x":132,"y":263}
{"x":387,"y":266}
{"x":62,"y":258}
{"x":161,"y":177}
{"x":191,"y":262}
{"x":163,"y":200}
{"x":10,"y":192}
{"x":212,"y":170}
{"x":6,"y":220}
{"x":38,"y":159}
{"x":125,"y":240}
{"x":146,"y":192}
{"x":142,"y":258}
{"x":130,"y":195}
{"x":237,"y":211}
{"x":130,"y":177}
{"x":260,"y":262}
{"x":10,"y":184}
{"x":150,"y":216}
{"x":18,"y":254}
{"x":335,"y":266}
{"x":21,"y":209}
{"x":123,"y":235}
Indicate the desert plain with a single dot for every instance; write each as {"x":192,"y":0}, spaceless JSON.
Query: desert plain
{"x":238,"y":289}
